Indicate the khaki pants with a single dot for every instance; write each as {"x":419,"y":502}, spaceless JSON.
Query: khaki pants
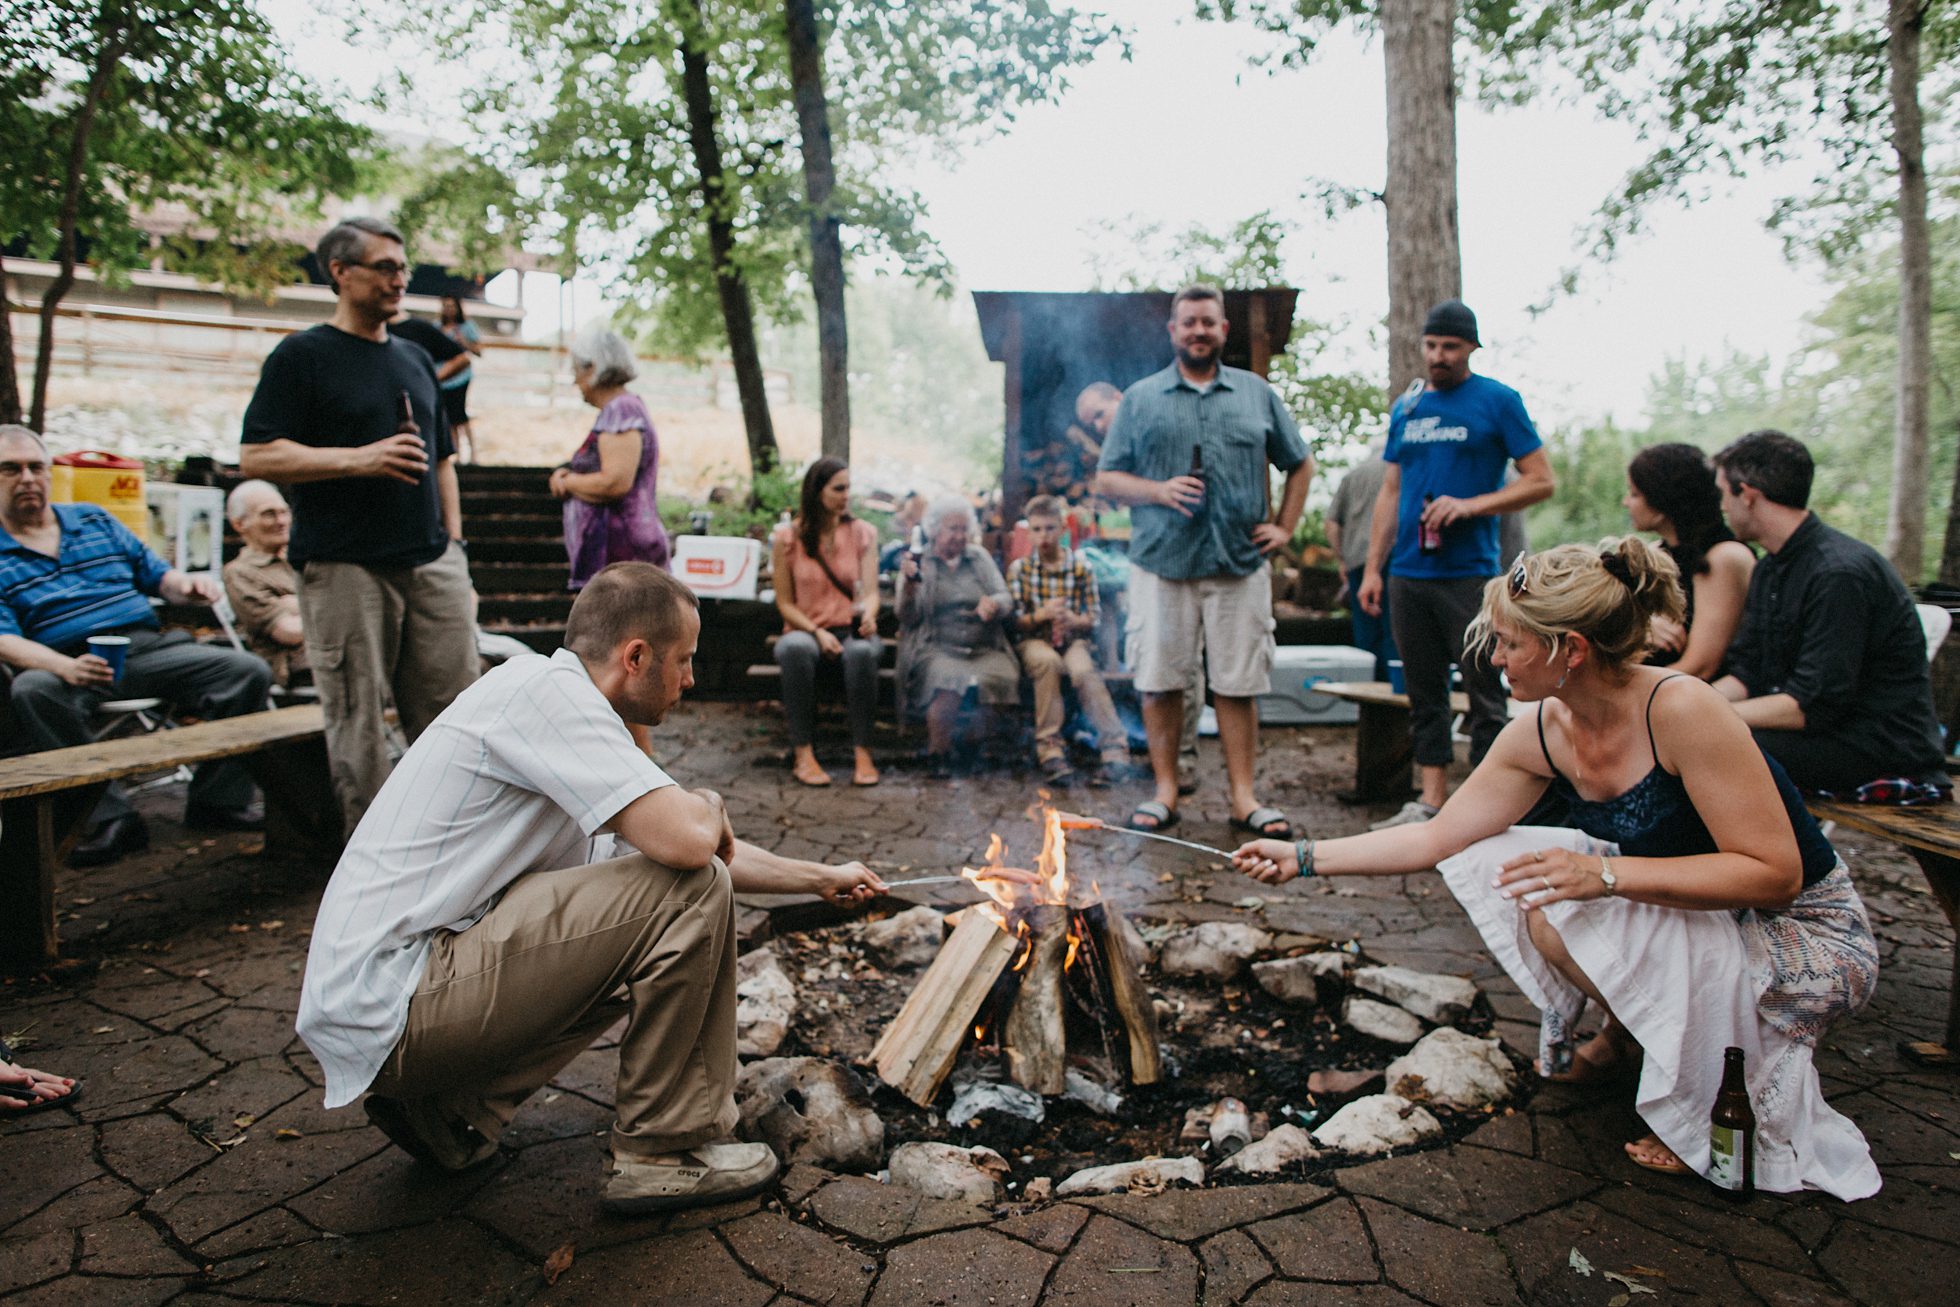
{"x":505,"y":1004}
{"x":376,"y":635}
{"x":1045,"y":665}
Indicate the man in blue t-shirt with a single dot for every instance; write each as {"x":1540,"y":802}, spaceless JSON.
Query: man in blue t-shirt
{"x":1434,"y":540}
{"x":69,"y":572}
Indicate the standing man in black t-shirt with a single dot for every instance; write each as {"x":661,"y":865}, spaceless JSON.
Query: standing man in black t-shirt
{"x":349,"y":416}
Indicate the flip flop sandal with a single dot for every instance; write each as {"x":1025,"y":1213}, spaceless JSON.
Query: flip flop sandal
{"x":1259,"y":821}
{"x":20,"y":1100}
{"x":1676,"y":1167}
{"x":1163,"y":817}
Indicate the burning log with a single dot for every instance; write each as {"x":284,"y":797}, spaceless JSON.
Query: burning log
{"x":1035,"y":1038}
{"x":1041,"y":920}
{"x":917,"y":1051}
{"x":1126,"y":994}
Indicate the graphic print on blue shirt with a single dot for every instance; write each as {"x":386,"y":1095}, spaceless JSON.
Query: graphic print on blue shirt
{"x":1454,"y":442}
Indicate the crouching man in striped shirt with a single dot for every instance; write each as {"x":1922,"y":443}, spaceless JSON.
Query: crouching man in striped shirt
{"x":479,"y":934}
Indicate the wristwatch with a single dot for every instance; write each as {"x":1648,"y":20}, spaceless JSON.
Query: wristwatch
{"x":1607,"y":878}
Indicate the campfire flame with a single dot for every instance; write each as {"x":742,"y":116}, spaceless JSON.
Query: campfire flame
{"x":1014,"y":891}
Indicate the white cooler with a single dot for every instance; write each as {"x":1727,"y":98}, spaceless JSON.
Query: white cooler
{"x":718,"y":567}
{"x":1297,"y":668}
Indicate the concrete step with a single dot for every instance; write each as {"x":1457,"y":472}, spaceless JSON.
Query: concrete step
{"x":494,"y":548}
{"x":518,"y":577}
{"x":522,"y":608}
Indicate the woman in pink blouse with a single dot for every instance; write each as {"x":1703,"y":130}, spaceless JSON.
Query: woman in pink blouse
{"x":826,"y":568}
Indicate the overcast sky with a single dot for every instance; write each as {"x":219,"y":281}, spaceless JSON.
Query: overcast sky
{"x":1189,"y":131}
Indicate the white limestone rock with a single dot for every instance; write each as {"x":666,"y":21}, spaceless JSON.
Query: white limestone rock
{"x":810,"y":1109}
{"x":1376,"y":1124}
{"x":910,"y":939}
{"x":967,"y":1175}
{"x":1150,"y":1175}
{"x":765,"y":1003}
{"x":1453,"y":1069}
{"x":1217,"y":950}
{"x":1283,"y":1147}
{"x":1439,"y":1000}
{"x":1391,"y":1025}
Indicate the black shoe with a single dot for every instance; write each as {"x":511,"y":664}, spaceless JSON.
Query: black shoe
{"x":201,"y":816}
{"x":111,"y":840}
{"x":939,"y":767}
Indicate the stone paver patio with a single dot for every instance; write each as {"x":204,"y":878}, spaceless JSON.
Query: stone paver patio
{"x":199,"y":1167}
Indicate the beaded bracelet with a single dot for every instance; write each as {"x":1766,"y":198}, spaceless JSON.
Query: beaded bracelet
{"x":1303,"y":854}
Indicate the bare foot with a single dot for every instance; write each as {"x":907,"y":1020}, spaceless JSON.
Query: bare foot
{"x":806,"y":768}
{"x":866,"y":771}
{"x":1648,"y":1151}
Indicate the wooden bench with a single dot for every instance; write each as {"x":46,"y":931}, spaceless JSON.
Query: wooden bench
{"x":1384,"y":755}
{"x":1932,"y":836}
{"x":46,"y":799}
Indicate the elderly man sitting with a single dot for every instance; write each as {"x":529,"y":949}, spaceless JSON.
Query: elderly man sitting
{"x":262,"y":585}
{"x":72,"y":571}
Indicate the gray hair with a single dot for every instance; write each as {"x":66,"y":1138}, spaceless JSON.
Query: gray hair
{"x":345,"y":242}
{"x":239,"y":502}
{"x":608,"y":355}
{"x":14,"y":430}
{"x":943,"y":509}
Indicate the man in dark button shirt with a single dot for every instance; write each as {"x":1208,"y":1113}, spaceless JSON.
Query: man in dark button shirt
{"x":1829,"y":666}
{"x":349,"y":416}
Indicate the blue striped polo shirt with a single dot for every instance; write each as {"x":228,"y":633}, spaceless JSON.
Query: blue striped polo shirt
{"x":97,"y":583}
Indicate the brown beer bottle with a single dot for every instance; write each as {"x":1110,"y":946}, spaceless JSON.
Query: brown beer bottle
{"x":1732,"y":1137}
{"x":1197,"y":471}
{"x":407,"y":425}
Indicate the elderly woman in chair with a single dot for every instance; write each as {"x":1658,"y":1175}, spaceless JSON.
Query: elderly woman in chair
{"x":1696,"y":902}
{"x":952,"y":609}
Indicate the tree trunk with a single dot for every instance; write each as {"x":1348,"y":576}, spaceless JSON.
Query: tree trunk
{"x":1424,"y":263}
{"x":737,"y":313}
{"x":106,"y":63}
{"x":1905,"y":518}
{"x":826,"y":245}
{"x":9,"y":375}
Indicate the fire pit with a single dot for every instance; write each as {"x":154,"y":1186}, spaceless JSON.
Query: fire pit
{"x":1047,"y":1029}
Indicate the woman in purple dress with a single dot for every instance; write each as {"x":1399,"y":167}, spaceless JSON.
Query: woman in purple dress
{"x":608,"y":486}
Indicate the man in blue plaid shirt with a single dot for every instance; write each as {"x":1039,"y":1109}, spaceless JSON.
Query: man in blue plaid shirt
{"x":71,"y":571}
{"x":1055,"y":608}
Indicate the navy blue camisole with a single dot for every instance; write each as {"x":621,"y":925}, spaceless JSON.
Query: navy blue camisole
{"x":1655,"y":818}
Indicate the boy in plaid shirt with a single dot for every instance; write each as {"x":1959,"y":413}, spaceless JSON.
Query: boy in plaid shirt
{"x":1055,"y":606}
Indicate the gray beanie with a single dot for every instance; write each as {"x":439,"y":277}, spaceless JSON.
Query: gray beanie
{"x":1452,"y":318}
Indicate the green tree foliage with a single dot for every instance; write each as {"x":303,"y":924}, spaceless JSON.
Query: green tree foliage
{"x":581,"y":109}
{"x":1836,"y":398}
{"x":115,"y":107}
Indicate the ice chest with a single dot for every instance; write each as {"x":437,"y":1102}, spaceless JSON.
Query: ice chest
{"x":1297,"y":668}
{"x":718,"y":567}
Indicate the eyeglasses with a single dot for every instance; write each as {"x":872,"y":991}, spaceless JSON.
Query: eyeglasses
{"x":11,"y":469}
{"x":1518,"y":586}
{"x":386,"y":269}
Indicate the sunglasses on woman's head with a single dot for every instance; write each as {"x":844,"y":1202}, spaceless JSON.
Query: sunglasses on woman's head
{"x":1518,"y":586}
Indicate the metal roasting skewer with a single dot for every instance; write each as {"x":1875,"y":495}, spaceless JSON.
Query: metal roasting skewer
{"x":923,"y":880}
{"x":1094,"y":824}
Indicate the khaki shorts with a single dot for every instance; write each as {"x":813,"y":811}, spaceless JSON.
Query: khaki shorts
{"x":1234,"y":615}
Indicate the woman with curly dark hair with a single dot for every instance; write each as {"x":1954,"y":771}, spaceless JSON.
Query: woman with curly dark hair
{"x":1671,"y":491}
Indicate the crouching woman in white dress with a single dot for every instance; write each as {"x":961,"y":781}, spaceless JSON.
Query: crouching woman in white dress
{"x":1689,"y":893}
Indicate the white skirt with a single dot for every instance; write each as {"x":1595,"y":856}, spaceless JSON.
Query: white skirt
{"x":1690,"y":983}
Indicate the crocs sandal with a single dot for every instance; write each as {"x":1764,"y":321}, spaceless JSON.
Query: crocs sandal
{"x":1161,"y":818}
{"x":1260,"y":823}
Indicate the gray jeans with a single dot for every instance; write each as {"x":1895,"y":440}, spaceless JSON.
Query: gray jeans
{"x":381,"y":634}
{"x":196,"y":678}
{"x":797,"y":654}
{"x":1430,"y":618}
